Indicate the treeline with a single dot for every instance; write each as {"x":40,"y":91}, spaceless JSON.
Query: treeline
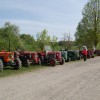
{"x":87,"y":33}
{"x":11,"y":40}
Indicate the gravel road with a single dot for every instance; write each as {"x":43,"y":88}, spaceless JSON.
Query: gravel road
{"x":73,"y":81}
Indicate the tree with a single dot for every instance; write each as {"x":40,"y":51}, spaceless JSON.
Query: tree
{"x":88,"y":28}
{"x":43,"y":39}
{"x":9,"y":34}
{"x":28,"y":42}
{"x":67,"y":41}
{"x":54,"y":42}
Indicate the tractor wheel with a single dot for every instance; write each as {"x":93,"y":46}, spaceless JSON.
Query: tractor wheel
{"x":18,"y":64}
{"x":62,"y":61}
{"x":39,"y":62}
{"x":1,"y":65}
{"x":27,"y":63}
{"x":52,"y":62}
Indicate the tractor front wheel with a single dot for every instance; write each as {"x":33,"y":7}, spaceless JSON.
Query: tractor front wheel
{"x":18,"y":64}
{"x":1,"y":65}
{"x":52,"y":62}
{"x":62,"y":61}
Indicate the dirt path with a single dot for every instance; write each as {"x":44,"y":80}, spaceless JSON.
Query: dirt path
{"x":72,"y":81}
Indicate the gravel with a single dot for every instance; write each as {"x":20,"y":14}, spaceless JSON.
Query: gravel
{"x":72,"y":81}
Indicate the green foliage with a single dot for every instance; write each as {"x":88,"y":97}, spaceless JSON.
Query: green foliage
{"x":9,"y":37}
{"x":88,"y":28}
{"x":54,"y":43}
{"x":28,"y":42}
{"x":43,"y":39}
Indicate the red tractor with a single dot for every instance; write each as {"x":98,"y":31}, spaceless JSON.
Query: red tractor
{"x":51,"y":57}
{"x":90,"y":54}
{"x":97,"y":52}
{"x":28,"y":58}
{"x":8,"y":59}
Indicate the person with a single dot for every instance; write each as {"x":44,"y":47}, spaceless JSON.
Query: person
{"x":84,"y":52}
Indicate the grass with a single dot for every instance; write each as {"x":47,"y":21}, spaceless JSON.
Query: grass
{"x":10,"y":71}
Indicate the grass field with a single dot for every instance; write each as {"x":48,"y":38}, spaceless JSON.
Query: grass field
{"x":10,"y":71}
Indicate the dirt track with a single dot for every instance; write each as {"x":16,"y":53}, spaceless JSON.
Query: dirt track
{"x":72,"y":81}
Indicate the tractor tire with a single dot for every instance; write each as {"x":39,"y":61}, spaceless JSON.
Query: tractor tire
{"x":62,"y":61}
{"x":53,"y":62}
{"x":18,"y":64}
{"x":27,"y":63}
{"x":1,"y":65}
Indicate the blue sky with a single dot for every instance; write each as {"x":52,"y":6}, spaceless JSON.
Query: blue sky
{"x":32,"y":16}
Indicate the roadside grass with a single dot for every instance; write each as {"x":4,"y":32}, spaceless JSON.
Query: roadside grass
{"x":10,"y":71}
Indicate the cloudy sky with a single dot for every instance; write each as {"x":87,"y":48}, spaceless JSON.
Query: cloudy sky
{"x":32,"y":16}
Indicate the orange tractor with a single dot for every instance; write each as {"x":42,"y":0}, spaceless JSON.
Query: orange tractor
{"x":8,"y":59}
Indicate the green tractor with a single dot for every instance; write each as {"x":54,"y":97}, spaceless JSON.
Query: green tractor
{"x":65,"y":56}
{"x":74,"y":55}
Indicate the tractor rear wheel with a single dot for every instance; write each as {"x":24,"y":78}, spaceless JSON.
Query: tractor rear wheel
{"x":1,"y":65}
{"x":62,"y":61}
{"x":18,"y":64}
{"x":53,"y":62}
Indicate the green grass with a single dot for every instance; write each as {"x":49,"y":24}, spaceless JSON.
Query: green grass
{"x":10,"y":71}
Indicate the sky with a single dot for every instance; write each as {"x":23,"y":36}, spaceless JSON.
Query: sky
{"x":33,"y":16}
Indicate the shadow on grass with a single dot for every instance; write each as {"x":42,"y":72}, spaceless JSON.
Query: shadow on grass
{"x":8,"y":68}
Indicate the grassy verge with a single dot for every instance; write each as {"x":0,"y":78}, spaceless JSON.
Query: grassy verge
{"x":10,"y":71}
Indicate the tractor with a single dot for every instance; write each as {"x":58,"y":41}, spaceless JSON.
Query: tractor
{"x":48,"y":56}
{"x":97,"y":52}
{"x":74,"y":55}
{"x":29,"y":58}
{"x":90,"y":54}
{"x":65,"y":55}
{"x":8,"y":59}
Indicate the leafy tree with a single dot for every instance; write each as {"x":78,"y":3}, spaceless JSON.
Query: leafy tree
{"x":88,"y":28}
{"x":9,"y":34}
{"x":28,"y":42}
{"x":54,"y":42}
{"x":43,"y":39}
